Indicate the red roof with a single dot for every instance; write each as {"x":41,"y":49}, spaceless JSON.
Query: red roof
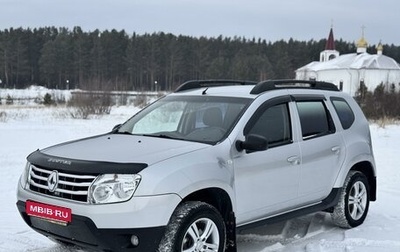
{"x":330,"y":43}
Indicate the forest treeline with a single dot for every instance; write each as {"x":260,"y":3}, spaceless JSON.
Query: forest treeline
{"x":114,"y":60}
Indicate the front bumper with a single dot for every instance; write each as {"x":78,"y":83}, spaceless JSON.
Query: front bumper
{"x":83,"y":232}
{"x":107,"y":227}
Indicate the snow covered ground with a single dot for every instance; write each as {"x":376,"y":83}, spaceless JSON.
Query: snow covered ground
{"x":25,"y":129}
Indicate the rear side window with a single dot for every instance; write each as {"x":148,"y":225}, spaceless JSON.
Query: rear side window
{"x":344,"y":112}
{"x":314,"y":118}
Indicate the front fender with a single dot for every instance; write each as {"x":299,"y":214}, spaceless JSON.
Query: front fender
{"x":210,"y":167}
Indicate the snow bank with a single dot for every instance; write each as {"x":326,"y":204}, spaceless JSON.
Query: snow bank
{"x":28,"y":129}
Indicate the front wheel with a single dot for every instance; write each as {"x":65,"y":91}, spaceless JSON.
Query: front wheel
{"x":194,"y":227}
{"x":353,"y":205}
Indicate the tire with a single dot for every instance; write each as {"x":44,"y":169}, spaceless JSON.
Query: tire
{"x":196,"y":227}
{"x":353,"y":205}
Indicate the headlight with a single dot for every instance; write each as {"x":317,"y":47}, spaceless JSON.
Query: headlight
{"x":111,"y":188}
{"x":25,"y":175}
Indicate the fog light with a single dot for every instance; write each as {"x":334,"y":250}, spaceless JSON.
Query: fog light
{"x":135,"y":240}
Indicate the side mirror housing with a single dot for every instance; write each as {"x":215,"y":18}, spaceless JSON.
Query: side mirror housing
{"x":252,"y":143}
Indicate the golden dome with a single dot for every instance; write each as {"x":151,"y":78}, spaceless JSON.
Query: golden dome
{"x":362,"y":43}
{"x":379,"y":47}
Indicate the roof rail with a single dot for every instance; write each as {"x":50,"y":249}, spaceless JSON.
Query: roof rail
{"x":282,"y":84}
{"x":193,"y":84}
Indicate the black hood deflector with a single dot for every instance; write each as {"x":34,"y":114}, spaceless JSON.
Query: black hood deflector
{"x":40,"y":159}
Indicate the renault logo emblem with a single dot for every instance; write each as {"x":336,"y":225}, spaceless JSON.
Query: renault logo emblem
{"x":52,"y":181}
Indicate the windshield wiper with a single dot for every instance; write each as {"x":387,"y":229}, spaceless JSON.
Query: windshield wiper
{"x":149,"y":135}
{"x":158,"y":135}
{"x":123,"y":132}
{"x":163,"y":136}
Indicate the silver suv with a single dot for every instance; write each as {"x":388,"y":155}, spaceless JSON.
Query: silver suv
{"x":214,"y":157}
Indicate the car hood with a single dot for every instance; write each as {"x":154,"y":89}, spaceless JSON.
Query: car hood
{"x":116,"y":148}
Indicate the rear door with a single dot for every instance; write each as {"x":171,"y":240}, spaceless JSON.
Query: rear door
{"x":322,"y":148}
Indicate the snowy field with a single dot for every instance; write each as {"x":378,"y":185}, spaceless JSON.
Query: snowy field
{"x":25,"y":129}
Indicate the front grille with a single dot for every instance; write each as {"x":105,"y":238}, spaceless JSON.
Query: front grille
{"x":70,"y":186}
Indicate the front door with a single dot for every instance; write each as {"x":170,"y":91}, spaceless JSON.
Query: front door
{"x":267,"y":181}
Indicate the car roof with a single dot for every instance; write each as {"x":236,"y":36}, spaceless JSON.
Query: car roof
{"x":225,"y":91}
{"x":248,"y":89}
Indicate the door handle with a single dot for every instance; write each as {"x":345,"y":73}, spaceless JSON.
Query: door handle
{"x":294,"y":160}
{"x":335,"y":150}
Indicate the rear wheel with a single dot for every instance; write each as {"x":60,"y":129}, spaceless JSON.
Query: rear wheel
{"x":353,"y":205}
{"x":194,"y":227}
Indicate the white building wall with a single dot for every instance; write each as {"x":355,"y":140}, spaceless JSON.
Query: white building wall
{"x":351,"y":78}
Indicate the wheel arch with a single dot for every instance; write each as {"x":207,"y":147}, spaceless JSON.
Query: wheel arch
{"x":367,"y":169}
{"x":221,"y":200}
{"x":216,"y":197}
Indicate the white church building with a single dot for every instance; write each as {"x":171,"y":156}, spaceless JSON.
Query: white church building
{"x":348,"y":71}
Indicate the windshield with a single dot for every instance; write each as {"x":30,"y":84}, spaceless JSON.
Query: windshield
{"x":193,"y":118}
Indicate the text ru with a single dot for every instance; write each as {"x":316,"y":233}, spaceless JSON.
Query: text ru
{"x":49,"y":211}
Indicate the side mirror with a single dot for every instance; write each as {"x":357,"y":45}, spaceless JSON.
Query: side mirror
{"x":252,"y":143}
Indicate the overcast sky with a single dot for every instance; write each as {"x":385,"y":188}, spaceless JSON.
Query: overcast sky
{"x":266,"y":19}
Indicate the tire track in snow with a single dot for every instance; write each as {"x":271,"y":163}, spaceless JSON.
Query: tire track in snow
{"x":278,"y":236}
